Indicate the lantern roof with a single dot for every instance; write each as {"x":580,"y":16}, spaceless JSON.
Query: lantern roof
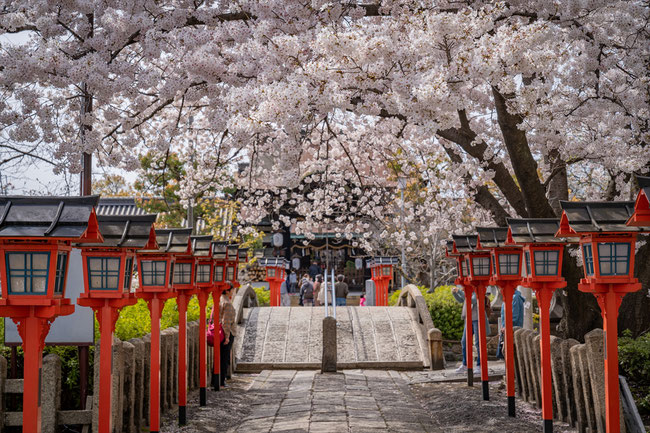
{"x":175,"y":241}
{"x":125,"y":206}
{"x":273,"y":261}
{"x":124,"y":231}
{"x":219,"y":248}
{"x":492,"y":237}
{"x":533,"y":231}
{"x":66,"y":218}
{"x":595,"y":217}
{"x":641,"y":216}
{"x":467,"y":243}
{"x":202,"y":245}
{"x":385,"y":260}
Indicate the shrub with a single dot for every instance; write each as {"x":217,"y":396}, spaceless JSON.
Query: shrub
{"x":263,"y":296}
{"x":392,"y":301}
{"x":634,"y":360}
{"x":445,"y":312}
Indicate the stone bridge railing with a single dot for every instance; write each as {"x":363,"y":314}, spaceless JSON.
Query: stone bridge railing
{"x":411,"y":297}
{"x":244,"y":298}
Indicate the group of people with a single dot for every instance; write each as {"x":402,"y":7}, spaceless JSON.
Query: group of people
{"x":313,"y":293}
{"x":517,"y":320}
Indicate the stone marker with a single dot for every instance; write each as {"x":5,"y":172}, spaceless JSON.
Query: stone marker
{"x":435,"y":349}
{"x":139,"y":384}
{"x":50,"y":393}
{"x":580,"y":412}
{"x":520,"y":365}
{"x":128,"y":405}
{"x":594,"y":341}
{"x":328,"y":362}
{"x":569,"y":394}
{"x":559,"y":403}
{"x":537,"y":370}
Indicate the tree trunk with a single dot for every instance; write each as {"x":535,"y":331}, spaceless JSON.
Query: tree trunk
{"x":581,"y":310}
{"x":634,"y":313}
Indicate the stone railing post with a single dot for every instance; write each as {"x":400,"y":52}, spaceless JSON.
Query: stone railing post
{"x":435,"y":349}
{"x":50,"y":393}
{"x":3,"y":381}
{"x":329,"y":346}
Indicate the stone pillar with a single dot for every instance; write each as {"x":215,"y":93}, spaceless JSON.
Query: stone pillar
{"x":435,"y":349}
{"x":139,"y":384}
{"x":537,"y":367}
{"x":585,"y":398}
{"x":128,"y":423}
{"x":526,"y":339}
{"x":520,"y":365}
{"x":117,"y":403}
{"x":594,"y":341}
{"x":559,"y":387}
{"x":569,"y":393}
{"x":146,"y":378}
{"x":576,"y":375}
{"x":328,"y":362}
{"x":190,"y":355}
{"x":527,"y":293}
{"x":50,"y":393}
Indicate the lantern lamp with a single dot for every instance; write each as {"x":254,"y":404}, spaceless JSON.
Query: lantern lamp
{"x":382,"y":268}
{"x":607,"y":244}
{"x":478,"y":264}
{"x":108,"y":270}
{"x":543,"y":273}
{"x":156,"y":274}
{"x":275,"y":275}
{"x":36,"y":234}
{"x":202,"y":248}
{"x":506,"y":266}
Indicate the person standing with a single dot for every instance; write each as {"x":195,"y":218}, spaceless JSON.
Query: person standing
{"x":317,"y":288}
{"x":314,"y":269}
{"x":341,"y":290}
{"x":307,"y":291}
{"x":227,"y":320}
{"x":517,"y":318}
{"x":459,"y":294}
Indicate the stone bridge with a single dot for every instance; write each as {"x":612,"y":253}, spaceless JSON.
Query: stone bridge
{"x":399,"y":337}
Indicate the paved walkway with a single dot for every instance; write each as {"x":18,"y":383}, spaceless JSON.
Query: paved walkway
{"x":294,"y":335}
{"x":349,"y":401}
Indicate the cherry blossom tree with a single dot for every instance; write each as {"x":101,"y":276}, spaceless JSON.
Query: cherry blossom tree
{"x":494,"y":109}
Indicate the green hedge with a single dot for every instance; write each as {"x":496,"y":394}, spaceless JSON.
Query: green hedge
{"x":634,"y":360}
{"x":263,"y":296}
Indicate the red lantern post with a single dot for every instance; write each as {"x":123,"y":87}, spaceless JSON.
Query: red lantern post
{"x":382,"y":274}
{"x":184,"y":282}
{"x":155,"y":272}
{"x":479,"y":267}
{"x":108,"y":268}
{"x":463,"y":281}
{"x":506,"y":274}
{"x":35,"y":241}
{"x":275,"y":275}
{"x":542,"y":273}
{"x":202,"y":246}
{"x":607,"y":245}
{"x":220,"y":251}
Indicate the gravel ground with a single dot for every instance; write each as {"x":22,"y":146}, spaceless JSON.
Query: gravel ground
{"x":458,"y":408}
{"x":225,"y":409}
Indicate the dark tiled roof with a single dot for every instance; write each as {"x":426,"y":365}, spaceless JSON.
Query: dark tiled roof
{"x":599,"y":217}
{"x":644,"y":181}
{"x":378,"y":261}
{"x":49,"y":217}
{"x":124,"y":231}
{"x":202,"y":245}
{"x":125,"y":206}
{"x":534,"y":230}
{"x":220,"y":250}
{"x":173,"y":240}
{"x":465,"y":243}
{"x":492,"y":237}
{"x":273,"y":261}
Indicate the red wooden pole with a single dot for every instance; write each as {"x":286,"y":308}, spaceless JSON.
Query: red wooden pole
{"x":482,"y":338}
{"x":106,"y":326}
{"x":31,"y":330}
{"x":544,"y":295}
{"x":469,"y":350}
{"x":155,"y":306}
{"x":203,"y":352}
{"x":507,"y":292}
{"x":182,"y":357}
{"x":612,"y":405}
{"x":216,"y":380}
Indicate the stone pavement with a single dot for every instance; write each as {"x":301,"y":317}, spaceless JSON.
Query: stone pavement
{"x":348,"y":401}
{"x":293,"y":336}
